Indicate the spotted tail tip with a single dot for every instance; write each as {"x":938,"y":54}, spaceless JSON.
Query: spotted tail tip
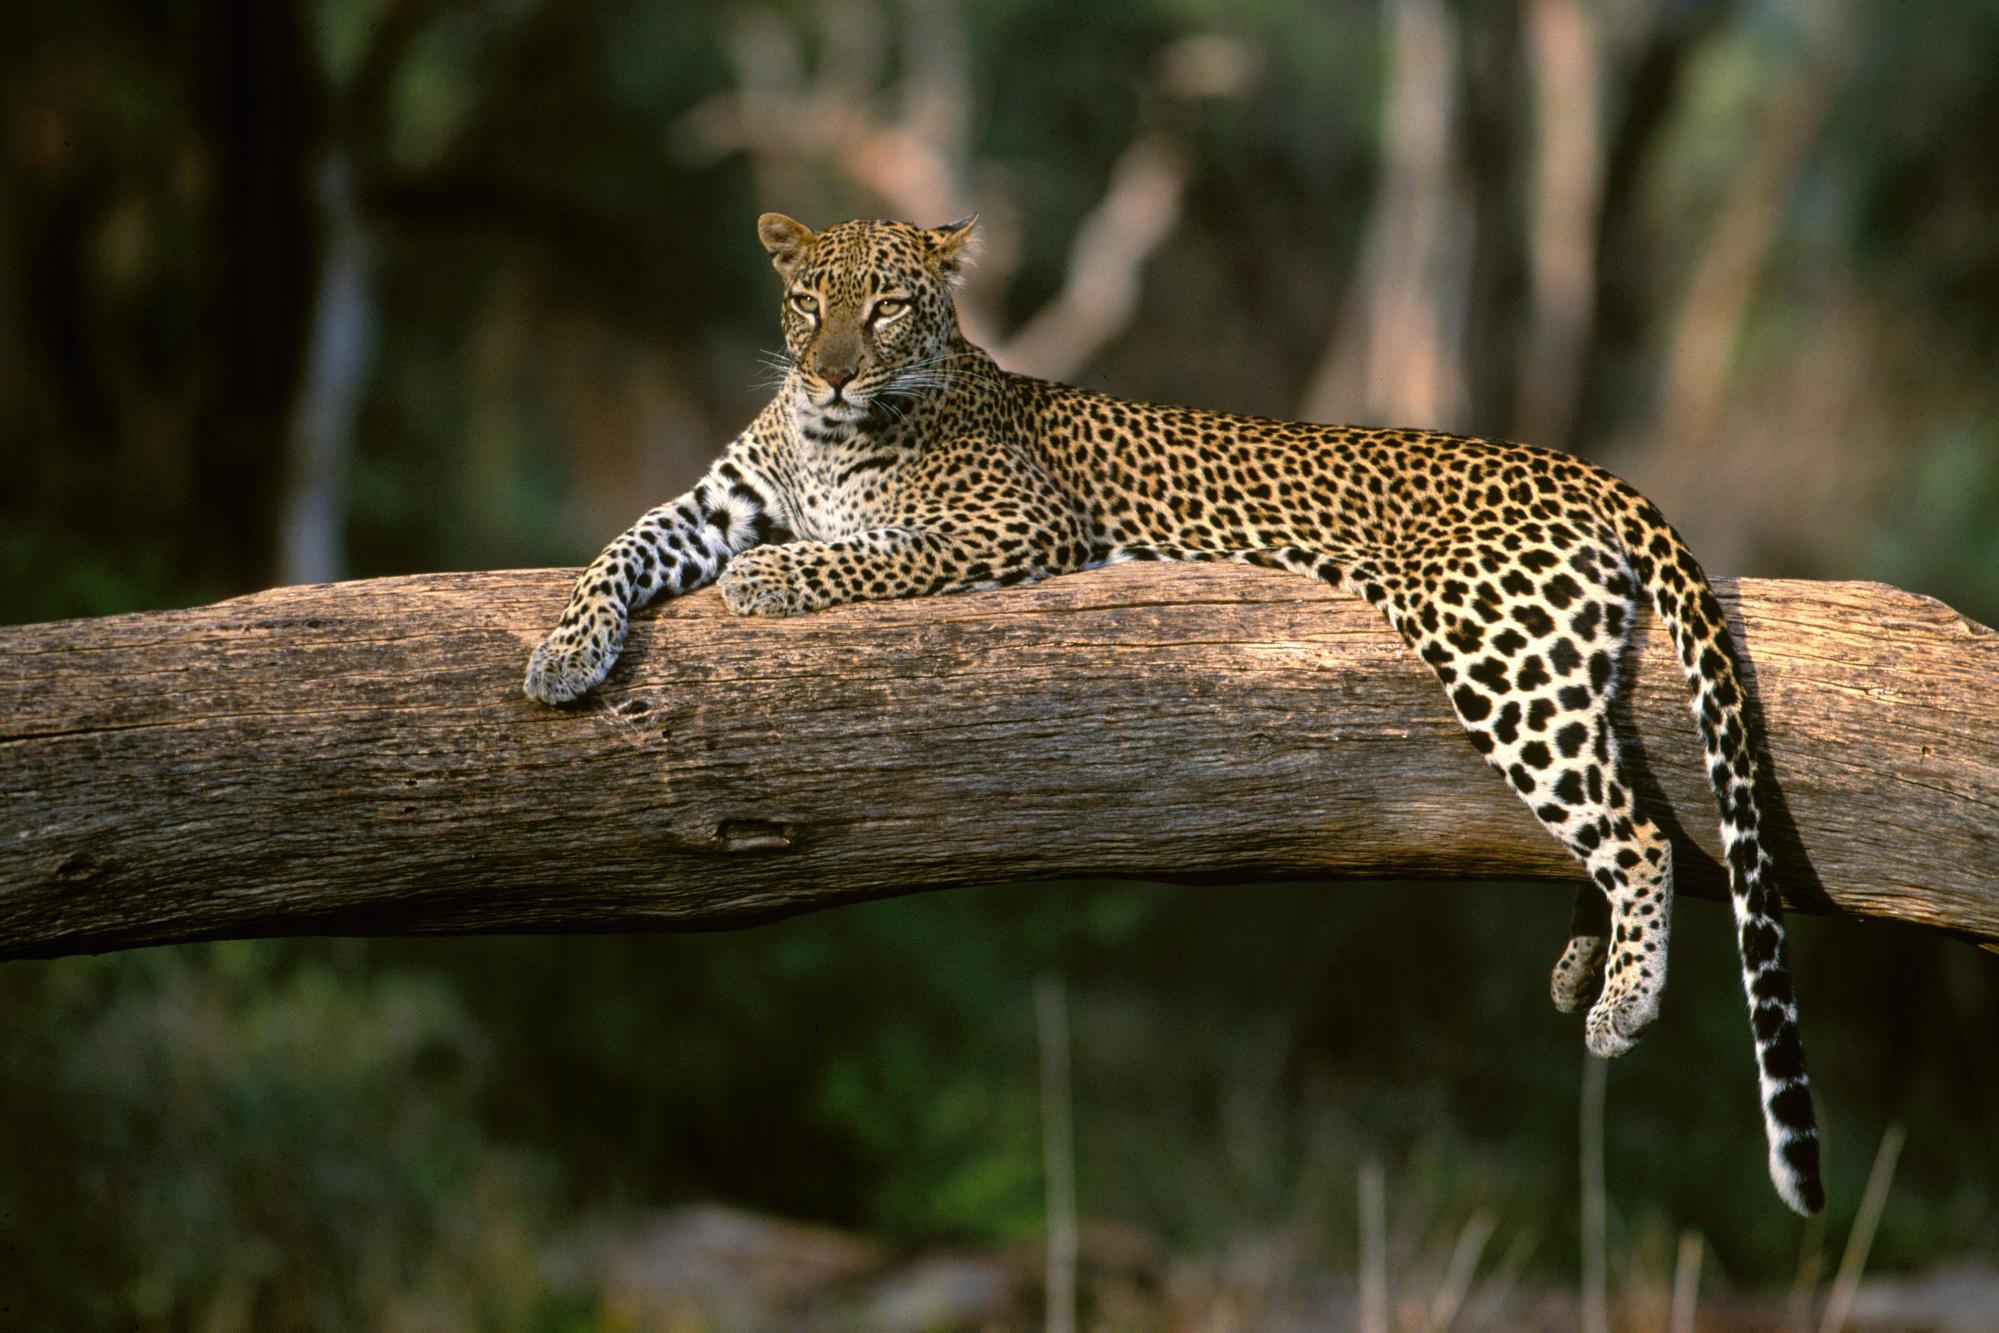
{"x":1794,"y":1170}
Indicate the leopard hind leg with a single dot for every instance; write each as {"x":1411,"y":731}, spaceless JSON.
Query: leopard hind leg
{"x":1535,"y":694}
{"x":1531,"y":665}
{"x":1531,"y":662}
{"x":1621,"y":924}
{"x":1632,"y":865}
{"x":1533,"y":681}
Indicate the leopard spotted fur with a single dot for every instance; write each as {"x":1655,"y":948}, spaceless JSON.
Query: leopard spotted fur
{"x":898,"y":460}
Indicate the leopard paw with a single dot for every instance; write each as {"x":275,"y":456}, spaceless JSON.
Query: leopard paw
{"x":556,"y":675}
{"x":574,"y":658}
{"x":1578,"y":974}
{"x":763,"y":581}
{"x":1619,"y":1018}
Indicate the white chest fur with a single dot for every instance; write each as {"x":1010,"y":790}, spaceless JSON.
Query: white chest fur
{"x":844,"y":477}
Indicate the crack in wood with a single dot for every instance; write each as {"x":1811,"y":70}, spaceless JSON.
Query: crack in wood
{"x":752,"y":835}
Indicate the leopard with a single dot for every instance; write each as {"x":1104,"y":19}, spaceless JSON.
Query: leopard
{"x":898,"y":459}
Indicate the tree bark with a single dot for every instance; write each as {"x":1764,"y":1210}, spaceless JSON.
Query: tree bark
{"x":358,"y":758}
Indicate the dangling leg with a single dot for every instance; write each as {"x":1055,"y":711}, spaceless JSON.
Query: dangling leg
{"x":1635,"y":866}
{"x":1577,"y":786}
{"x":1532,"y":679}
{"x":1530,"y":663}
{"x":1630,"y":862}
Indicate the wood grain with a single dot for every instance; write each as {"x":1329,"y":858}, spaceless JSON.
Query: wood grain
{"x":358,"y":758}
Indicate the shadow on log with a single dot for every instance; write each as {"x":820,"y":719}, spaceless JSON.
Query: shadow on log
{"x":358,"y":758}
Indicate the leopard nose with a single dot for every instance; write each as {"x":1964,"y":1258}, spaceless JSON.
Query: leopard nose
{"x":837,"y":376}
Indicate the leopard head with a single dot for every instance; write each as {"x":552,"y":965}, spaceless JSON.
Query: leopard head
{"x":867,"y":315}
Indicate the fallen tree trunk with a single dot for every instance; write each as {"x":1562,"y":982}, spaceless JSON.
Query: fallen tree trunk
{"x":358,"y":758}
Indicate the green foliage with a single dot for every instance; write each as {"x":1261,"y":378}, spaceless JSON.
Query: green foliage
{"x":1945,"y":540}
{"x":246,"y":1130}
{"x":333,"y":1130}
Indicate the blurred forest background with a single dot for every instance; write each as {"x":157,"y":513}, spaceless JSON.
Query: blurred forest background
{"x":310,"y":289}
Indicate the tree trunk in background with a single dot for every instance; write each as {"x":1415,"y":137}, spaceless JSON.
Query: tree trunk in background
{"x":1495,"y":156}
{"x":1643,"y":89}
{"x":1394,"y":355}
{"x":1700,"y":346}
{"x":263,"y":106}
{"x":359,"y":759}
{"x":1568,"y":175}
{"x":320,"y":442}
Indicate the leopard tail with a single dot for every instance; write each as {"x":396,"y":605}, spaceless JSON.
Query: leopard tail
{"x":1670,"y":576}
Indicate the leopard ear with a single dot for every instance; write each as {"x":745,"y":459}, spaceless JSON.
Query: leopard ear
{"x":953,"y":247}
{"x":787,"y":239}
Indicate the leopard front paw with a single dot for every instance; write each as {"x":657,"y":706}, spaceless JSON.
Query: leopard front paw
{"x":573,"y":660}
{"x":557,"y":674}
{"x":764,"y":581}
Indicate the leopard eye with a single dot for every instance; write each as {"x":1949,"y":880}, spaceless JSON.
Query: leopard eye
{"x":805,"y":304}
{"x":889,"y":307}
